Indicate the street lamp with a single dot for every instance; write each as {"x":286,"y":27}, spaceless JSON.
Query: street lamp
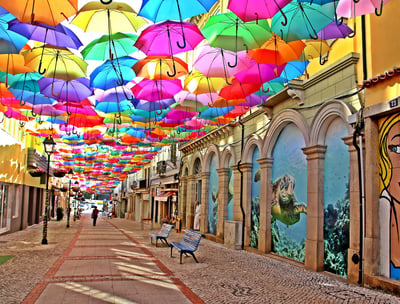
{"x":49,"y":145}
{"x":70,"y":175}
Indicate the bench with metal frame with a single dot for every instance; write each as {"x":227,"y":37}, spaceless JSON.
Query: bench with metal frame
{"x":189,"y":244}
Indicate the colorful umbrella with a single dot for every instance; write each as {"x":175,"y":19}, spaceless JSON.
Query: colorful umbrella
{"x":228,"y":32}
{"x":248,"y":10}
{"x":108,"y":47}
{"x":335,"y":31}
{"x":10,"y":42}
{"x":55,"y":62}
{"x":351,"y":9}
{"x":164,"y":38}
{"x":113,"y":73}
{"x":161,"y":10}
{"x":160,"y":67}
{"x":58,"y":35}
{"x":259,"y":73}
{"x":108,"y":18}
{"x":63,"y":90}
{"x":305,"y":20}
{"x":153,"y":90}
{"x":44,"y":11}
{"x":197,"y":83}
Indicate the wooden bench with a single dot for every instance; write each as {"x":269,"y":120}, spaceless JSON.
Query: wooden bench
{"x":162,"y":234}
{"x":189,"y":244}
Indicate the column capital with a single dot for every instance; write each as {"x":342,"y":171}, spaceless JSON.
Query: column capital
{"x":313,"y":152}
{"x":265,"y":162}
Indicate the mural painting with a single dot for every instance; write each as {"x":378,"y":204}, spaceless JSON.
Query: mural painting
{"x":289,"y":198}
{"x":255,"y":199}
{"x":213,"y":196}
{"x":389,"y":203}
{"x":336,"y":200}
{"x":229,"y":207}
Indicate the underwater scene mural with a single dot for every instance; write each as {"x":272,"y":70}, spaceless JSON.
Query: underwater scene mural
{"x":389,"y":202}
{"x":255,"y":199}
{"x":289,"y":197}
{"x":336,"y":200}
{"x":229,"y":207}
{"x":213,"y":196}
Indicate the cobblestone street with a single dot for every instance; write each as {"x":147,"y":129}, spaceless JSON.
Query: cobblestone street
{"x":222,"y":276}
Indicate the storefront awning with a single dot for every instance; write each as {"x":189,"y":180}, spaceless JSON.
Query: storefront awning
{"x":163,"y":197}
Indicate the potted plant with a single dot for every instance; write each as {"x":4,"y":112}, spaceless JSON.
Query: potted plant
{"x":36,"y":172}
{"x":59,"y":172}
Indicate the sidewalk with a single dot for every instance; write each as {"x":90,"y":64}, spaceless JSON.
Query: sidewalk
{"x":114,"y":262}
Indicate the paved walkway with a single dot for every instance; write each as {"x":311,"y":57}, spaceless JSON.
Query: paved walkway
{"x":114,"y":262}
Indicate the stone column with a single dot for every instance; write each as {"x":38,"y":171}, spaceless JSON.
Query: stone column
{"x":354,"y":237}
{"x":183,"y":200}
{"x":205,"y":181}
{"x":314,"y":247}
{"x":246,"y":169}
{"x":223,"y":174}
{"x":237,"y":212}
{"x":264,"y":238}
{"x":190,"y":202}
{"x":371,"y":188}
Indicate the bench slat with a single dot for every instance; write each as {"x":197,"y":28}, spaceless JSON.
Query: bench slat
{"x":189,"y":244}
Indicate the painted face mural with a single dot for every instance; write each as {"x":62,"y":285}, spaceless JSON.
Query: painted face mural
{"x":389,"y":136}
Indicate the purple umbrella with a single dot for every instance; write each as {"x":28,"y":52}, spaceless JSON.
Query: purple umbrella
{"x":334,"y":31}
{"x":56,"y":35}
{"x":163,"y":39}
{"x":63,"y":90}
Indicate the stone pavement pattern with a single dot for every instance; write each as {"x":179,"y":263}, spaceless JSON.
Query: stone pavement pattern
{"x":114,"y":262}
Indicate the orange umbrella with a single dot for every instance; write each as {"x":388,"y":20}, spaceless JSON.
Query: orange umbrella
{"x":276,"y":51}
{"x":160,"y":67}
{"x":44,"y":11}
{"x":13,"y":64}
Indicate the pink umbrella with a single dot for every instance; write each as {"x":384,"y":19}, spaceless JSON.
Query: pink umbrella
{"x":260,"y":73}
{"x":163,"y":39}
{"x":215,"y":62}
{"x":248,"y":10}
{"x":153,"y":90}
{"x":350,"y":8}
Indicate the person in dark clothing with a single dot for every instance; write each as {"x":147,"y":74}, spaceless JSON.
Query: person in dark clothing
{"x":95,"y":213}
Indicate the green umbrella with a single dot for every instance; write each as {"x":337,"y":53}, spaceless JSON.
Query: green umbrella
{"x":227,"y":31}
{"x":305,"y":20}
{"x":112,"y":46}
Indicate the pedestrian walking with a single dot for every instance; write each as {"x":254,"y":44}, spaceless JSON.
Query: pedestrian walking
{"x":95,"y":213}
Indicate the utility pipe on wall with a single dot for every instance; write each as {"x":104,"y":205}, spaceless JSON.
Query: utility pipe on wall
{"x":241,"y":183}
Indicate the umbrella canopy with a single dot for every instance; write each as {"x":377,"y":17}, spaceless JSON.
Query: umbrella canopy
{"x":113,"y":73}
{"x":335,"y":31}
{"x":153,"y":90}
{"x":10,"y":41}
{"x":108,"y":18}
{"x":55,"y":62}
{"x":350,"y":9}
{"x":108,"y":47}
{"x":160,"y":67}
{"x":44,"y":11}
{"x":228,"y":32}
{"x":161,"y":10}
{"x":304,"y":20}
{"x":59,"y":89}
{"x":248,"y":10}
{"x":58,"y":35}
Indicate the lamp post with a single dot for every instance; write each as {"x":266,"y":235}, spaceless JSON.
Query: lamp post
{"x":69,"y":174}
{"x":75,"y":188}
{"x":49,"y":145}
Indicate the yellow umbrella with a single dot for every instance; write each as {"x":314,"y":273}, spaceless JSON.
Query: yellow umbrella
{"x":315,"y":49}
{"x":198,"y":83}
{"x":55,"y":62}
{"x":108,"y":18}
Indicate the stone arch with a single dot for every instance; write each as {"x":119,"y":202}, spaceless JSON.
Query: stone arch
{"x":227,"y":154}
{"x":324,"y":117}
{"x":213,"y":149}
{"x":195,"y":156}
{"x":278,"y":123}
{"x":249,"y":146}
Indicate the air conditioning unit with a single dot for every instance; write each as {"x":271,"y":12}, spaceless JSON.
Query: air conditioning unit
{"x":161,"y":167}
{"x":134,"y":185}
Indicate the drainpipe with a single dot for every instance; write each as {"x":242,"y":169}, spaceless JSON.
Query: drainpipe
{"x":358,"y":258}
{"x":241,"y":183}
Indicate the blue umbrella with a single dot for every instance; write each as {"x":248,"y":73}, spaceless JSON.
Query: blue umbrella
{"x":10,"y":42}
{"x":113,"y":73}
{"x":161,"y":10}
{"x":292,"y":70}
